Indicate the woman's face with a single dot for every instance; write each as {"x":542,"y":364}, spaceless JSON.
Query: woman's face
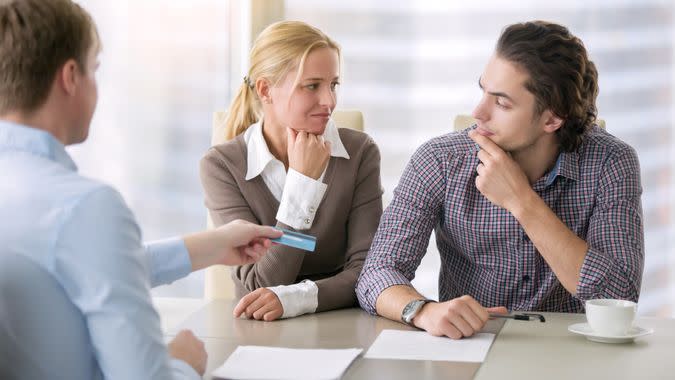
{"x":307,"y":104}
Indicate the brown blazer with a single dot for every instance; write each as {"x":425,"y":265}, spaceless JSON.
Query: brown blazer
{"x":344,"y":224}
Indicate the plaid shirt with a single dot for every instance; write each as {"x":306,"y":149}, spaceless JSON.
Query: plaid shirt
{"x":485,"y":252}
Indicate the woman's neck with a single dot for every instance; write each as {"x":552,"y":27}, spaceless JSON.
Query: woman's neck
{"x":276,"y":139}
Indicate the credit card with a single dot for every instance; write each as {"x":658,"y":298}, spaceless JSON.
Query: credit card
{"x":296,"y":240}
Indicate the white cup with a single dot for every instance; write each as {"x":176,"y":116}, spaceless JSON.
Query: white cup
{"x":610,"y":317}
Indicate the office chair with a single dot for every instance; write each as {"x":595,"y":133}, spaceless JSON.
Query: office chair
{"x":42,"y":334}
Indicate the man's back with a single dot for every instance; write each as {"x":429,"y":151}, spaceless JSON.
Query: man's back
{"x":82,"y":233}
{"x":38,"y":196}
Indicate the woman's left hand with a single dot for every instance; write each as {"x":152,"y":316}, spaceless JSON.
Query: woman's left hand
{"x":308,"y":154}
{"x":260,"y":304}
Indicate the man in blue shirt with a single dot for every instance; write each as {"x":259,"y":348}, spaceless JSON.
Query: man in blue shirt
{"x":80,"y":230}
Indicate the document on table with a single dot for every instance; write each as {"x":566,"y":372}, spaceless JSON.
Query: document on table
{"x":419,"y":345}
{"x":258,"y":362}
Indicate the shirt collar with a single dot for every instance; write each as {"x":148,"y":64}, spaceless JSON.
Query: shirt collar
{"x":259,"y":154}
{"x":17,"y":137}
{"x":554,"y":172}
{"x":567,"y":165}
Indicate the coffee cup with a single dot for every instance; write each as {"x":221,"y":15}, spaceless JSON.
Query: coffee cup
{"x":610,"y":317}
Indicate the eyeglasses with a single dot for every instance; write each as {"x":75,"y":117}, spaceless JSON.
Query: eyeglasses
{"x":520,"y":317}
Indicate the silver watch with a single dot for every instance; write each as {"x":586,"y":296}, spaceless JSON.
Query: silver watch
{"x":412,"y":309}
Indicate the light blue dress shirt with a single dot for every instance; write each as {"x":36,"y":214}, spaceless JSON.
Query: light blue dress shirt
{"x":82,"y":232}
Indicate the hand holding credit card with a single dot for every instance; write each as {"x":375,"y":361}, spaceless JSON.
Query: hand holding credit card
{"x":296,"y":240}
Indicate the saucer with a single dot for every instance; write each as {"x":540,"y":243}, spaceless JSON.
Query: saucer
{"x":585,"y":330}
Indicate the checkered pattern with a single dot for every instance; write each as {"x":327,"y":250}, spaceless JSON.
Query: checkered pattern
{"x":484,"y":251}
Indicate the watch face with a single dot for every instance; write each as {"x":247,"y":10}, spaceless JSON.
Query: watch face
{"x":411,"y":310}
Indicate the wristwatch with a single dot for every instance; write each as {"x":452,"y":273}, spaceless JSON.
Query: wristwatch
{"x":412,"y":309}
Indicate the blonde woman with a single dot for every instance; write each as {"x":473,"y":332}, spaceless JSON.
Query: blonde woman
{"x":287,"y":164}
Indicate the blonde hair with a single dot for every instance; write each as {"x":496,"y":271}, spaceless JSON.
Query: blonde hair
{"x":279,"y":49}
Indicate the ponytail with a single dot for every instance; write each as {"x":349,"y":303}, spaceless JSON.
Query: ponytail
{"x":244,"y":111}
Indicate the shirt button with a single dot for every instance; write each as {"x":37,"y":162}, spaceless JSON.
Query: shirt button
{"x":312,"y":209}
{"x":526,"y":278}
{"x":307,"y":221}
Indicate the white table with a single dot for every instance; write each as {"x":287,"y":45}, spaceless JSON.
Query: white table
{"x":174,"y":311}
{"x":521,"y":351}
{"x":548,"y":351}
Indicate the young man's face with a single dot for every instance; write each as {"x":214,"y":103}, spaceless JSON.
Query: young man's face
{"x":506,"y":112}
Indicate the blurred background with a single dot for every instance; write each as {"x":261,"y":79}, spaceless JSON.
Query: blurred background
{"x":409,"y":66}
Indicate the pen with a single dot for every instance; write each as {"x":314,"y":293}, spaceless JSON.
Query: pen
{"x":520,"y":317}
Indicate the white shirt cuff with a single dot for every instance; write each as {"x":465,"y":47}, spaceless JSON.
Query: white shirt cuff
{"x":300,"y":200}
{"x":297,"y":299}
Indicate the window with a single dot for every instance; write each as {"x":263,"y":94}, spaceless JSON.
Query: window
{"x":164,"y":70}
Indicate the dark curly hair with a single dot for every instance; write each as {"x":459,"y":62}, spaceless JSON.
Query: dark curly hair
{"x":561,"y":77}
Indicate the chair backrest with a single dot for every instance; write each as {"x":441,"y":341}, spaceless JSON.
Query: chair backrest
{"x":217,"y":282}
{"x":463,"y":122}
{"x":42,"y":334}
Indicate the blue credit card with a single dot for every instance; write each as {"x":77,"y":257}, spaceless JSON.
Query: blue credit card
{"x":296,"y":240}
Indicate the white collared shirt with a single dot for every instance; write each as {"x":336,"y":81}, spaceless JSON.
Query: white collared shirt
{"x":299,"y":198}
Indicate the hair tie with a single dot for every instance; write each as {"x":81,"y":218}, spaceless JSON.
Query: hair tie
{"x":247,"y":80}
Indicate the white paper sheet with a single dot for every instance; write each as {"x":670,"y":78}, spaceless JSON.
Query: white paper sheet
{"x":419,"y":345}
{"x":258,"y":362}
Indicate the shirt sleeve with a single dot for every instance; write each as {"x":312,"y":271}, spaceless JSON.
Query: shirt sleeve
{"x":403,"y":234}
{"x":300,"y":200}
{"x":102,"y":264}
{"x":297,"y":299}
{"x":613,"y":264}
{"x":168,"y":261}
